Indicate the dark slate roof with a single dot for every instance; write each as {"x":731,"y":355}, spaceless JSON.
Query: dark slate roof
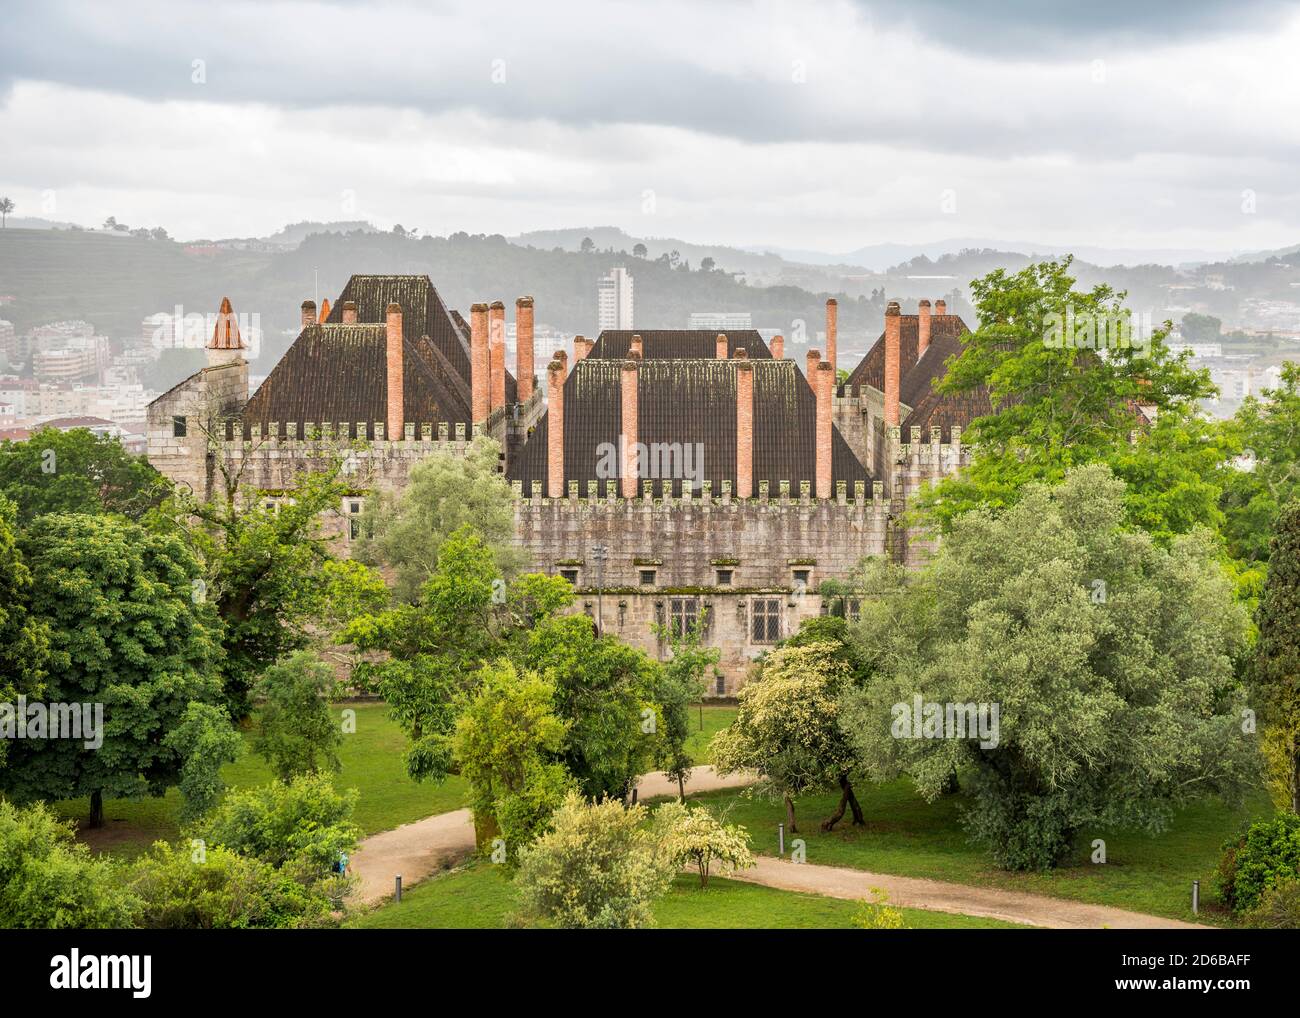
{"x":936,"y":411}
{"x":691,"y":401}
{"x":696,"y":344}
{"x":338,"y":373}
{"x":871,"y":369}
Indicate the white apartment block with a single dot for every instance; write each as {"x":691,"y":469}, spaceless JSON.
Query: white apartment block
{"x":614,"y":300}
{"x":721,"y":321}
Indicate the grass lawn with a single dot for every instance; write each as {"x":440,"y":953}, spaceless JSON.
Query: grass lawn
{"x":373,"y":763}
{"x":906,"y":836}
{"x":478,"y":896}
{"x":715,"y":719}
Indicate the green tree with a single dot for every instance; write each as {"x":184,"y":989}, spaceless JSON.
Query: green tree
{"x":127,"y":632}
{"x":1198,"y":328}
{"x":444,"y":493}
{"x":1059,"y":405}
{"x":787,"y":730}
{"x":692,"y":836}
{"x":505,"y":744}
{"x":297,"y":731}
{"x":50,"y":881}
{"x":597,"y":868}
{"x":6,"y":207}
{"x":77,"y":471}
{"x":206,"y":741}
{"x":684,"y":681}
{"x":1277,"y":662}
{"x":24,"y":638}
{"x":1108,"y":658}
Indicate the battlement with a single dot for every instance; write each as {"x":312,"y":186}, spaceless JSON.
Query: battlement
{"x":604,"y":496}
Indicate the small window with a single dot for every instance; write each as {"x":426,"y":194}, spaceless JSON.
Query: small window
{"x":765,"y":620}
{"x":647,"y":577}
{"x":724,"y":577}
{"x":571,"y":575}
{"x":684,"y":615}
{"x":178,"y":427}
{"x":721,"y":687}
{"x":270,"y":507}
{"x":801,"y":576}
{"x":354,"y":507}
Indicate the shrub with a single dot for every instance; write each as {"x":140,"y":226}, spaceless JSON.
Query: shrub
{"x":304,"y":821}
{"x":217,"y":889}
{"x":1278,"y":908}
{"x":298,"y":733}
{"x":598,"y":868}
{"x":876,"y":913}
{"x":49,"y":881}
{"x":695,"y":837}
{"x":1269,"y":852}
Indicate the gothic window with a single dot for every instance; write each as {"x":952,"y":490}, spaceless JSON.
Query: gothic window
{"x":765,"y":620}
{"x":684,"y":615}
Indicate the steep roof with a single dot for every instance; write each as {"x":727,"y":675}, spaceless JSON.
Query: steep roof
{"x":699,"y":344}
{"x":691,"y":401}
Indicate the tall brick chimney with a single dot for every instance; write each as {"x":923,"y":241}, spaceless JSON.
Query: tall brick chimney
{"x":814,"y":358}
{"x":825,"y":389}
{"x":497,"y":352}
{"x":393,"y":350}
{"x":479,"y":363}
{"x":324,"y":311}
{"x":524,"y":347}
{"x":581,"y":348}
{"x":721,"y":346}
{"x":893,"y":321}
{"x":778,"y":347}
{"x":832,"y":333}
{"x":922,"y":327}
{"x":636,"y":349}
{"x":941,"y":307}
{"x":629,"y":376}
{"x":744,"y":425}
{"x":555,"y":427}
{"x":308,"y":313}
{"x":349,"y":312}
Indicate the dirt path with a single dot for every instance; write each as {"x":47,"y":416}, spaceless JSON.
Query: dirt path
{"x":940,"y":896}
{"x":418,"y":849}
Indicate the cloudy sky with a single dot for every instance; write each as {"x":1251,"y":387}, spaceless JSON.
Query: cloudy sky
{"x":818,"y":124}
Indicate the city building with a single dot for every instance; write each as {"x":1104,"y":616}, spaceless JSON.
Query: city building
{"x":614,"y":300}
{"x":721,"y":321}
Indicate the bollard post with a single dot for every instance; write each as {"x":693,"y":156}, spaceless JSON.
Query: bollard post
{"x":780,"y":839}
{"x":399,"y":887}
{"x":1196,"y":897}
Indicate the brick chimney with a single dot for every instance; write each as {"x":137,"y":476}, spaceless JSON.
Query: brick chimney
{"x":497,"y":352}
{"x":308,"y":313}
{"x":832,"y":332}
{"x":393,"y":347}
{"x":814,"y":358}
{"x":479,"y":363}
{"x":629,"y":376}
{"x":824,"y":388}
{"x":778,"y":347}
{"x":893,"y":321}
{"x":744,"y":426}
{"x":721,"y":346}
{"x":636,"y":349}
{"x":922,"y":327}
{"x":581,"y":348}
{"x":941,"y":307}
{"x":324,"y":311}
{"x":555,"y":427}
{"x":524,"y":347}
{"x":349,"y":312}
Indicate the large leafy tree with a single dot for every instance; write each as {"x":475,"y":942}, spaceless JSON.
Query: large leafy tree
{"x":1058,"y":406}
{"x":126,"y":631}
{"x":787,"y":729}
{"x":444,"y":493}
{"x":1108,"y":657}
{"x":297,"y":732}
{"x":1277,"y":661}
{"x":24,"y":638}
{"x":77,"y":472}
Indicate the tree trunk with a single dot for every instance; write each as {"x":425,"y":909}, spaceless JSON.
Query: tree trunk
{"x":96,"y":808}
{"x":847,"y":798}
{"x":789,"y":816}
{"x":681,"y":789}
{"x":951,"y":785}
